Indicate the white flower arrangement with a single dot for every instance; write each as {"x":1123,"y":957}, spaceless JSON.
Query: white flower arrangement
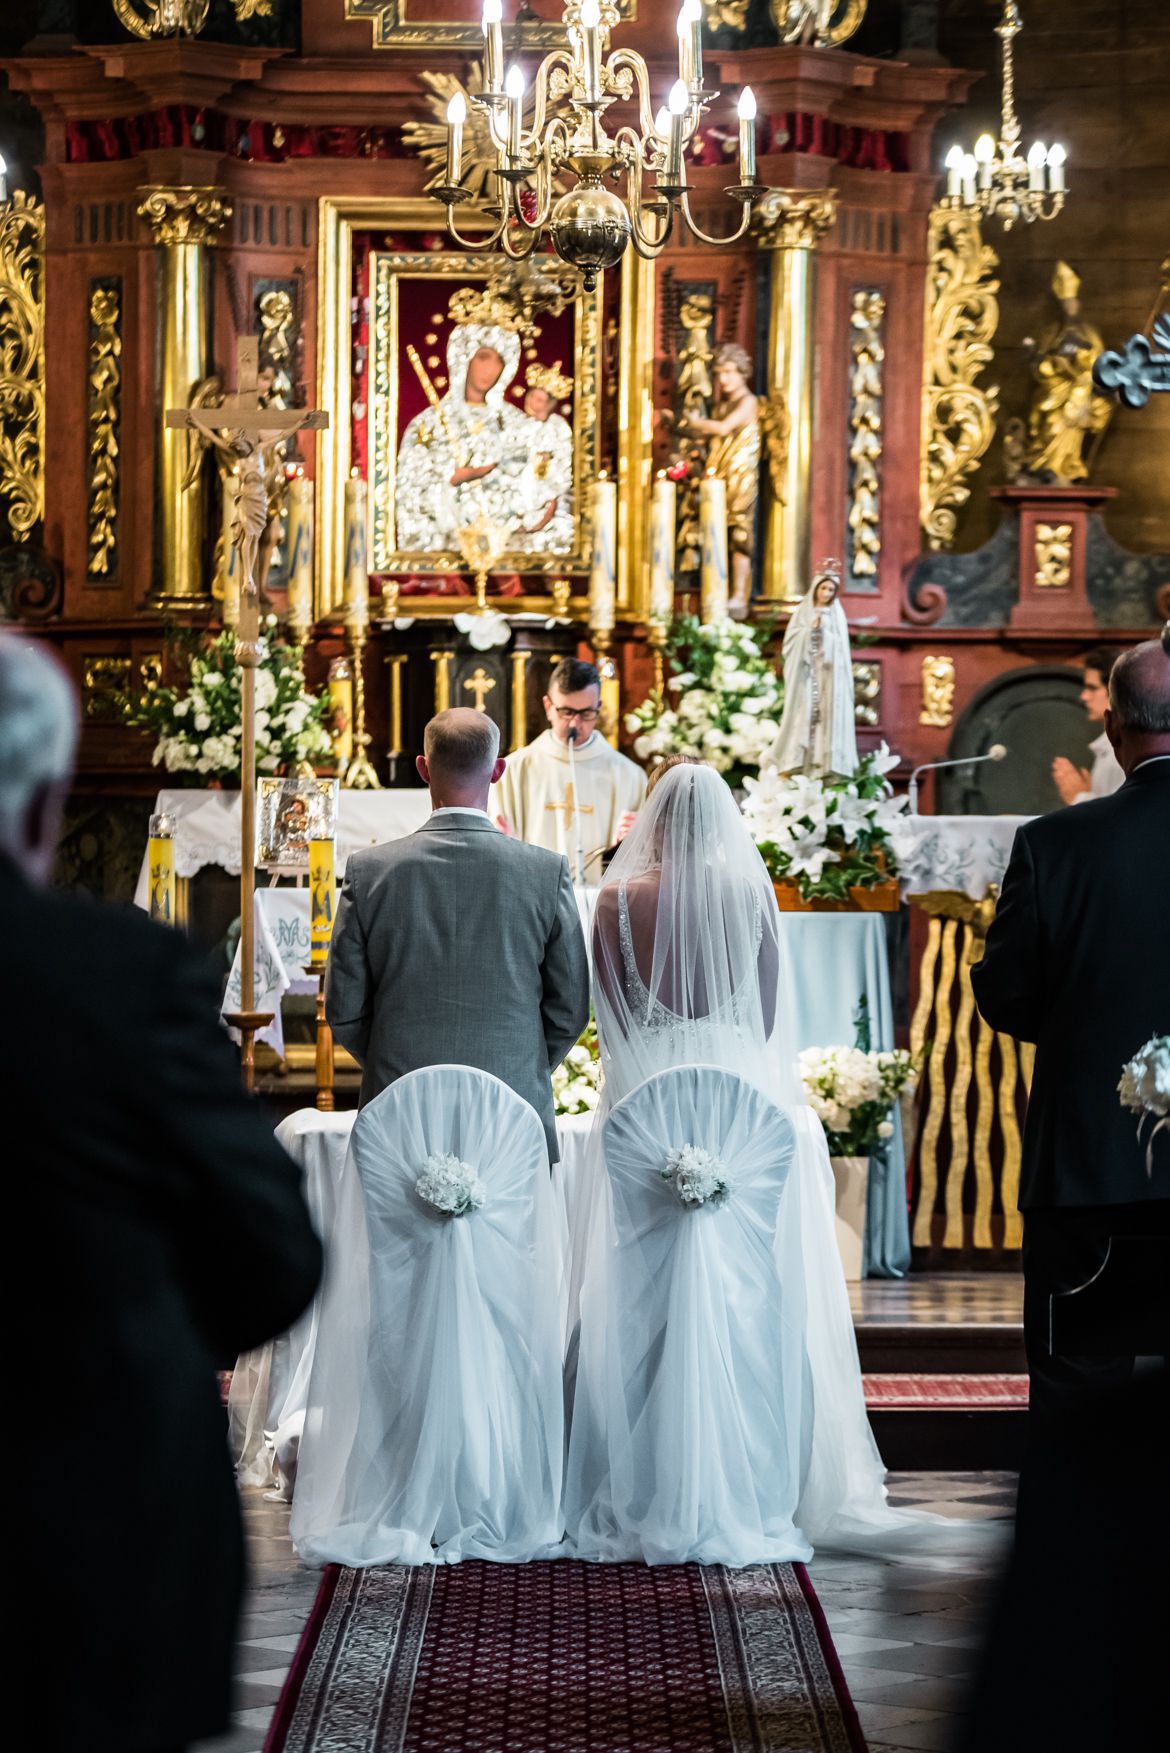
{"x":727,"y":701}
{"x":828,"y":834}
{"x":1145,"y":1088}
{"x":484,"y":631}
{"x":450,"y":1185}
{"x":852,"y":1091}
{"x":198,"y":731}
{"x":698,"y":1177}
{"x":576,"y":1082}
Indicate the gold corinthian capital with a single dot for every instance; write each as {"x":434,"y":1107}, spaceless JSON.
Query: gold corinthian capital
{"x":789,"y":219}
{"x":184,"y":215}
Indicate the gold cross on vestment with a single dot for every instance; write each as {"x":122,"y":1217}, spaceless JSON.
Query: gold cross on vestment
{"x":570,"y":806}
{"x":481,"y":685}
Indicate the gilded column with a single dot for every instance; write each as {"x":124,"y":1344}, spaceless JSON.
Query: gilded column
{"x":792,"y":224}
{"x":184,"y":221}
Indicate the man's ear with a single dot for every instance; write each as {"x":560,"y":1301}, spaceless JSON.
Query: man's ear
{"x":421,"y":768}
{"x":498,"y":770}
{"x":1112,"y":729}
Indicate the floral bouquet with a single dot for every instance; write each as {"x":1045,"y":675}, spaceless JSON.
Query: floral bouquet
{"x":697,"y":1177}
{"x":198,"y":729}
{"x":852,"y":1091}
{"x":727,"y":700}
{"x":1145,"y":1088}
{"x":829,"y":835}
{"x":450,"y":1185}
{"x":576,"y":1082}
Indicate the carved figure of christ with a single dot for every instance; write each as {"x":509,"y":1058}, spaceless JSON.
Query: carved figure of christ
{"x":243,"y":431}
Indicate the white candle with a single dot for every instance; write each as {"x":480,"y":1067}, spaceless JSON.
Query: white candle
{"x":1037,"y":154}
{"x":968,"y":179}
{"x":603,"y":564}
{"x":514,"y":90}
{"x":954,"y":164}
{"x":493,"y":44}
{"x":1056,"y":157}
{"x":357,"y":577}
{"x":747,"y":136}
{"x":713,"y":540}
{"x":662,"y":540}
{"x":230,"y":573}
{"x":677,"y":103}
{"x":300,"y":551}
{"x":984,"y":154}
{"x":456,"y":116}
{"x":690,"y":44}
{"x":590,"y":27}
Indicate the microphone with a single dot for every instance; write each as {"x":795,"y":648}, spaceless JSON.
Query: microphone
{"x":570,"y":743}
{"x":996,"y":752}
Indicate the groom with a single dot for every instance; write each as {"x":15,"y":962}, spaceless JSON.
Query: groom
{"x":458,"y":945}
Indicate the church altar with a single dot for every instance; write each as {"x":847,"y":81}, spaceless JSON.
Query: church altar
{"x":964,"y":854}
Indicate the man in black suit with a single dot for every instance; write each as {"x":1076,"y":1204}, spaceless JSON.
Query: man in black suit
{"x":1078,"y":961}
{"x":165,"y":1232}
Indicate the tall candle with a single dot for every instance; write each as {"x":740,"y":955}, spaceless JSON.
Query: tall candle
{"x":514,"y":91}
{"x":321,"y":887}
{"x":230,"y":565}
{"x":603,"y":566}
{"x":357,"y":577}
{"x":493,"y":44}
{"x":746,"y":109}
{"x":713,"y":540}
{"x":161,"y":865}
{"x":300,"y":551}
{"x":662,"y":538}
{"x":341,"y":711}
{"x":456,"y":117}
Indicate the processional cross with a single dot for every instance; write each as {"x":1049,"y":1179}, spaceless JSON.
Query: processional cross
{"x":244,"y":432}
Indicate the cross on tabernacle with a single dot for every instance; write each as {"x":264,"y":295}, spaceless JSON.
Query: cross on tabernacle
{"x":570,"y":806}
{"x":481,"y":685}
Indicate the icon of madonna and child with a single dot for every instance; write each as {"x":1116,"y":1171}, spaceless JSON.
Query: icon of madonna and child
{"x":472,"y":455}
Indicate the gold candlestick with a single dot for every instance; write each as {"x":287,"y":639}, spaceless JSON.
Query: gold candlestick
{"x":359,"y":775}
{"x":656,"y":637}
{"x":611,"y":694}
{"x":324,"y":1039}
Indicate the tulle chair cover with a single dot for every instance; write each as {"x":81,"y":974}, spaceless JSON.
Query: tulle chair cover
{"x":435,"y":1427}
{"x":689,"y":1408}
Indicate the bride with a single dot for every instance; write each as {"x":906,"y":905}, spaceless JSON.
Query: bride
{"x":691,"y":969}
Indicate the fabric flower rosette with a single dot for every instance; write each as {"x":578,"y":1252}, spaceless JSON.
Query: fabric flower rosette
{"x":852,"y":1091}
{"x":1144,"y":1088}
{"x":726,"y":700}
{"x":576,"y":1082}
{"x":828,"y":834}
{"x":198,"y":727}
{"x":450,"y":1186}
{"x":697,"y":1177}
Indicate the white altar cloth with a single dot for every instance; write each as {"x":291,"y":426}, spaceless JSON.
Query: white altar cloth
{"x":966,"y":853}
{"x":207,"y":827}
{"x":270,"y":1386}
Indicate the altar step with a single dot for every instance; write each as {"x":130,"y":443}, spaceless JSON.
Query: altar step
{"x":948,"y":1422}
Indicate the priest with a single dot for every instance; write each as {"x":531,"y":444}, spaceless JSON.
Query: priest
{"x":569,"y":790}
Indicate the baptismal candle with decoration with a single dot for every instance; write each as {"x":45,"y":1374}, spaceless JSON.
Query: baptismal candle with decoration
{"x":300,"y":550}
{"x":160,"y":861}
{"x":713,"y":540}
{"x":663,"y":515}
{"x":230,"y":561}
{"x":603,"y":566}
{"x":341,"y":711}
{"x":321,"y":896}
{"x":357,"y":576}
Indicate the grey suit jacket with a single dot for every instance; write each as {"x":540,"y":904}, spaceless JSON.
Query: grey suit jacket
{"x":457,"y":945}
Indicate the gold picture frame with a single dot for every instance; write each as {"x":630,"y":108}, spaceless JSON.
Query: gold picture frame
{"x":397,"y":25}
{"x":292,"y":812}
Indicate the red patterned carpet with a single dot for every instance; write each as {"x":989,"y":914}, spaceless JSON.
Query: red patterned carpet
{"x":947,"y":1393}
{"x":566,"y":1658}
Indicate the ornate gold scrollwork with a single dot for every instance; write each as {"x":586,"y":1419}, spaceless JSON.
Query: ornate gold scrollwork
{"x":827,"y":23}
{"x":938,"y":691}
{"x":958,"y":415}
{"x":22,"y":362}
{"x":789,"y":220}
{"x":1053,"y":555}
{"x":867,"y":356}
{"x":867,"y":693}
{"x":105,"y":412}
{"x":179,"y":18}
{"x":184,"y":215}
{"x":726,"y":14}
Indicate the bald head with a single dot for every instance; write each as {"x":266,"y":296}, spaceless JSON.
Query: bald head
{"x":460,"y":757}
{"x":1138,"y":719}
{"x":38,"y":740}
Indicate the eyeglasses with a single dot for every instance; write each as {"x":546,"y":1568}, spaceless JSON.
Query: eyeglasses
{"x":587,"y":714}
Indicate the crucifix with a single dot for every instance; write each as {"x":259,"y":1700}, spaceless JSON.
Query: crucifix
{"x":244,"y":432}
{"x":480,"y":684}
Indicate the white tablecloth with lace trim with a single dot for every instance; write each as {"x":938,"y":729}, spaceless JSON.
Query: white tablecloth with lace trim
{"x":965,"y":853}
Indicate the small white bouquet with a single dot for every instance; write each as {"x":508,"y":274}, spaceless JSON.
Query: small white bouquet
{"x":451,"y":1186}
{"x":697,"y":1176}
{"x":852,"y":1090}
{"x":576,"y":1082}
{"x":1145,"y":1088}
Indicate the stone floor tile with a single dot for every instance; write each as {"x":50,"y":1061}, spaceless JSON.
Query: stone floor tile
{"x":288,"y":1643}
{"x":848,"y":1643}
{"x":941,"y":1734}
{"x":919,"y":1658}
{"x":876,"y":1718}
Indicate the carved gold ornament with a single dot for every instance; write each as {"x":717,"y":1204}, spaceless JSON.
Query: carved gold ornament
{"x":938,"y":692}
{"x":792,"y":221}
{"x":429,"y":139}
{"x":184,"y":215}
{"x":867,"y":693}
{"x":827,"y":23}
{"x":179,"y":18}
{"x":22,"y":362}
{"x":958,"y":415}
{"x":105,"y":411}
{"x":726,"y":14}
{"x":867,"y":356}
{"x":1053,"y":554}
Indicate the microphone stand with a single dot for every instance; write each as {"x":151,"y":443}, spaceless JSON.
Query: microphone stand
{"x":579,"y":878}
{"x":995,"y":754}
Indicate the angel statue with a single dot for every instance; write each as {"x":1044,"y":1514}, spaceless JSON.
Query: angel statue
{"x":817,"y":734}
{"x":738,"y":421}
{"x":1066,"y":409}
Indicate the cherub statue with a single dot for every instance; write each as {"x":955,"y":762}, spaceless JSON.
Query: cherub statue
{"x":1066,"y":409}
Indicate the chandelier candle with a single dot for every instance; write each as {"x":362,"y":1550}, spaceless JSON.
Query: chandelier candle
{"x":514,"y":92}
{"x":746,"y":110}
{"x":590,"y":27}
{"x":300,"y":552}
{"x":493,"y":46}
{"x":690,"y":45}
{"x":603,"y":566}
{"x":678,"y":103}
{"x":456,"y":116}
{"x":662,"y":528}
{"x":713,"y":581}
{"x":357,"y":577}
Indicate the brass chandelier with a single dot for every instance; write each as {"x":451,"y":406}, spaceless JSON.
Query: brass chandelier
{"x":996,"y":180}
{"x":590,"y":224}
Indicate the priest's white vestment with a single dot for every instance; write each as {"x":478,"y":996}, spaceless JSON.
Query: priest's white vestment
{"x":548,"y":804}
